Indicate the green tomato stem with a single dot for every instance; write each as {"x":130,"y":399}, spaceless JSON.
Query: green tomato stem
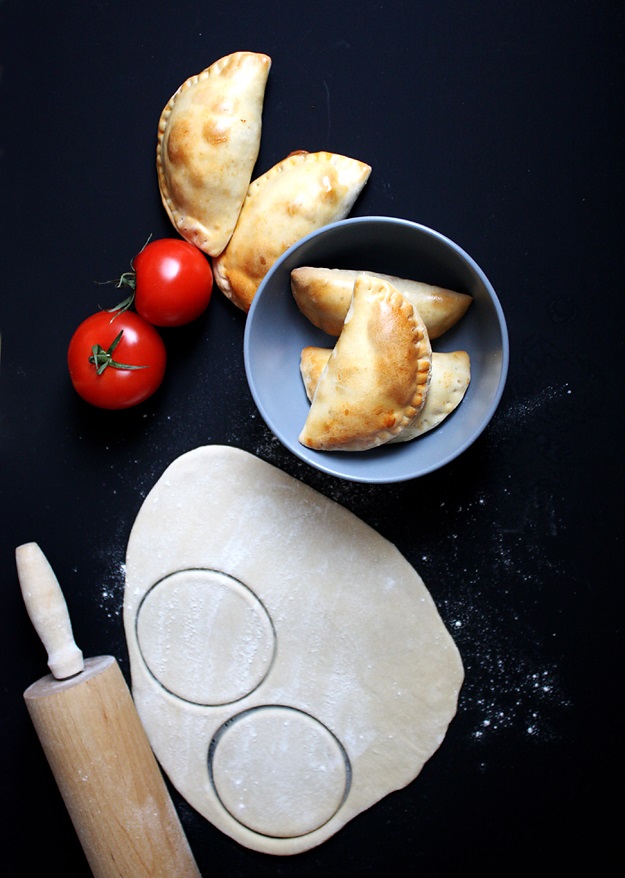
{"x":102,"y":359}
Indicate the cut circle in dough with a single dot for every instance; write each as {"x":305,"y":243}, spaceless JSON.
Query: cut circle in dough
{"x":205,"y":637}
{"x":277,"y":754}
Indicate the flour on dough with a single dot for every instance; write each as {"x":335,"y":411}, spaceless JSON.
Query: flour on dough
{"x":288,"y":663}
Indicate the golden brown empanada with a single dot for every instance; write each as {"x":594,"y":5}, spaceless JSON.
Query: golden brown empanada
{"x":312,"y":362}
{"x":300,"y":194}
{"x":376,"y":379}
{"x":451,"y":374}
{"x":208,"y":142}
{"x":323,"y":295}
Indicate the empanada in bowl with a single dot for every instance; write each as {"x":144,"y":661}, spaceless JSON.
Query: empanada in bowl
{"x":312,"y":363}
{"x":302,"y":193}
{"x":208,"y":142}
{"x":451,"y":374}
{"x":376,"y":379}
{"x":323,"y":295}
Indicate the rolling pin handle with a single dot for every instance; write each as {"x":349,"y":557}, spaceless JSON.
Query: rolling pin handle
{"x":48,"y":611}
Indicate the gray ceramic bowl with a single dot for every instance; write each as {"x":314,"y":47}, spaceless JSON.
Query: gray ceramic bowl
{"x":276,"y":332}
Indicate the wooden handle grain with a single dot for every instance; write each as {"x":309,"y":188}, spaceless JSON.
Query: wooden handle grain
{"x":108,"y":776}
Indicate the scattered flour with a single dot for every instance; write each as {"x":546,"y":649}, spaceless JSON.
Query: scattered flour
{"x":512,"y":680}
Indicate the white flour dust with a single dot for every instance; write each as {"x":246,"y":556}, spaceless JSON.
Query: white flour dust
{"x":507,"y":687}
{"x":512,"y":678}
{"x":111,"y":597}
{"x":501,"y":611}
{"x":522,"y":411}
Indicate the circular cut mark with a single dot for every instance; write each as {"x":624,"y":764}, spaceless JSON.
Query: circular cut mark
{"x":205,"y":637}
{"x":278,"y":771}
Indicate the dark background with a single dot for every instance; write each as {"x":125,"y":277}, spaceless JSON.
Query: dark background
{"x":498,"y":124}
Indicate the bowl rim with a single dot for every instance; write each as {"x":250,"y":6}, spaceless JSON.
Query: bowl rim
{"x":327,"y":467}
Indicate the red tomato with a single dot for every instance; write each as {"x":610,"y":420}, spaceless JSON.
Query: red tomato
{"x":116,"y":361}
{"x":173,"y":282}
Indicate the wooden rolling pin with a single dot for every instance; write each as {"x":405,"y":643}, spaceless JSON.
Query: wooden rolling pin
{"x":97,"y":748}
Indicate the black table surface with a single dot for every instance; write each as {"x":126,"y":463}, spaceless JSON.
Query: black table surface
{"x":498,"y":124}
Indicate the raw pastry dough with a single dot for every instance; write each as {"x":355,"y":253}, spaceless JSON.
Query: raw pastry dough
{"x":323,"y":295}
{"x":288,"y":663}
{"x":297,"y":196}
{"x":377,"y":377}
{"x":451,"y":374}
{"x":208,"y":142}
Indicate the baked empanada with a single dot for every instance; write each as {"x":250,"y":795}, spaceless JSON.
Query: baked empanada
{"x":303,"y":192}
{"x":312,"y":362}
{"x":323,"y":295}
{"x":376,"y":379}
{"x":208,"y":142}
{"x":451,"y":374}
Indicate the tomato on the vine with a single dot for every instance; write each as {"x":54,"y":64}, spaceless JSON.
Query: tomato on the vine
{"x":172,"y":282}
{"x":116,"y":359}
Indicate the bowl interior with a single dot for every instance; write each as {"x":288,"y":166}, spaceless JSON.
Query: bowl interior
{"x":276,"y":332}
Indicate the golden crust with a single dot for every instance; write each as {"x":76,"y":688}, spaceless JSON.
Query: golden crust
{"x":313,"y":360}
{"x":376,"y":379}
{"x":323,"y":295}
{"x":451,"y":375}
{"x":207,"y":146}
{"x":298,"y":195}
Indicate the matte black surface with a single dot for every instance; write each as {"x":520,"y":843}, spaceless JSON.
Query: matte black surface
{"x":498,"y":124}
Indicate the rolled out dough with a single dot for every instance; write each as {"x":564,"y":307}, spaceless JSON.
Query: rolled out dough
{"x":288,"y":663}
